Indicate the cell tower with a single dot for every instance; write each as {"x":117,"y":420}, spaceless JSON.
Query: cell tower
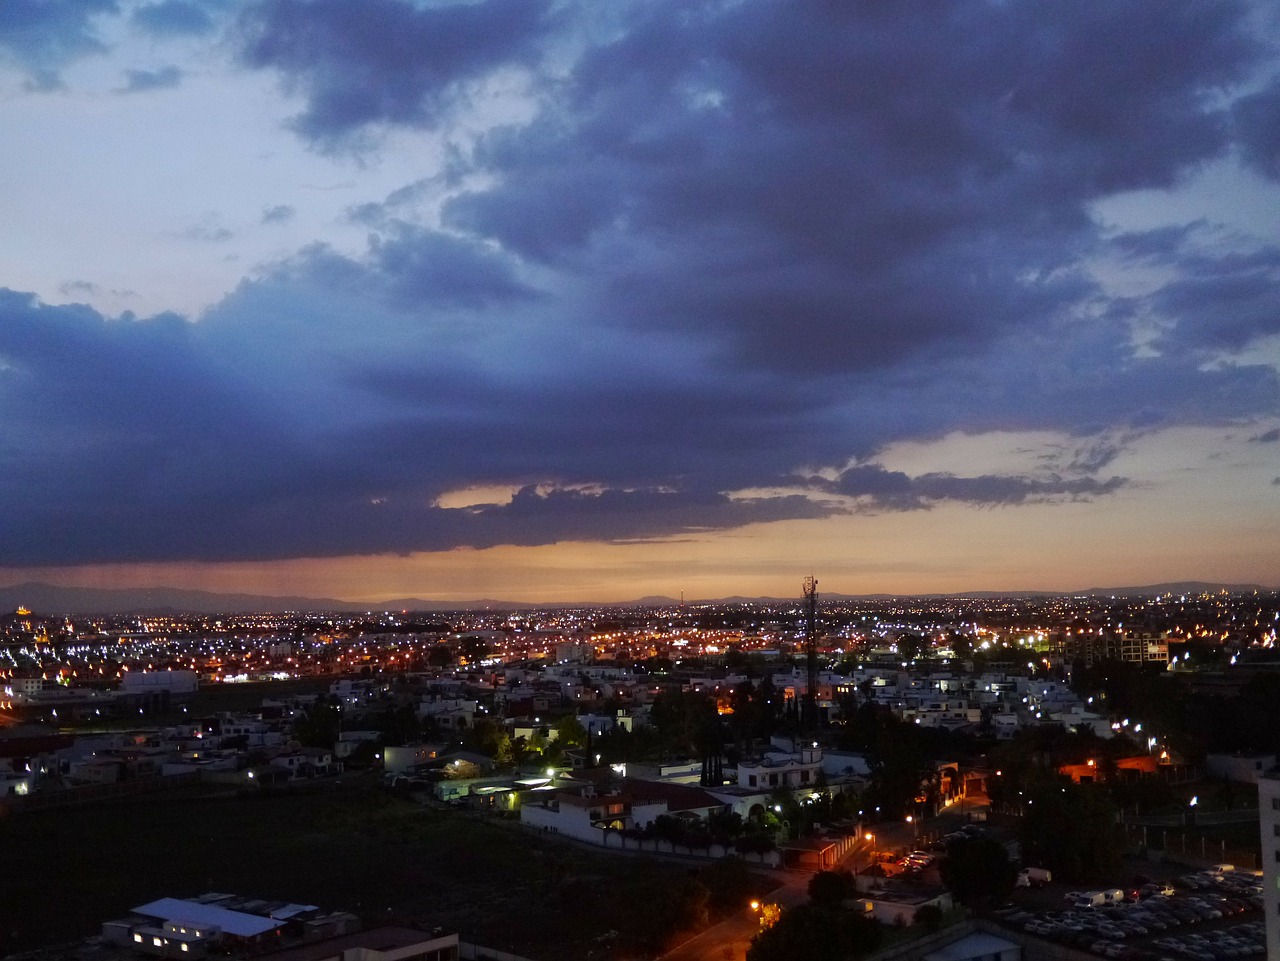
{"x":810,"y":712}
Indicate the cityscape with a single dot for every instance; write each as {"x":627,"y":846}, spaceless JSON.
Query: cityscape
{"x":1037,"y":777}
{"x":639,"y":480}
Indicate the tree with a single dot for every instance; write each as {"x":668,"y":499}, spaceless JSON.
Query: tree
{"x":474,"y":648}
{"x":978,"y":870}
{"x":680,"y":718}
{"x":830,"y":889}
{"x":570,"y":732}
{"x":912,"y":646}
{"x":1074,"y":830}
{"x":812,"y":933}
{"x":487,"y":736}
{"x":319,"y":725}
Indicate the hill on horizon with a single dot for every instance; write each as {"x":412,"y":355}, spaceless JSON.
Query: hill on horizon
{"x":51,"y":599}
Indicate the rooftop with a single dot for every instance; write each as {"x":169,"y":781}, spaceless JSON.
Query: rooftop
{"x":235,"y":923}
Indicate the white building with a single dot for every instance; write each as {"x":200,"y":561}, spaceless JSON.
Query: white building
{"x":402,"y":758}
{"x":1269,"y":822}
{"x":779,"y":770}
{"x":153,"y":682}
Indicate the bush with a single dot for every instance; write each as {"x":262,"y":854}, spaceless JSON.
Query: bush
{"x":929,"y":918}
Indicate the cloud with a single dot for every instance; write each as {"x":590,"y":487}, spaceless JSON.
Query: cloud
{"x":1223,"y":301}
{"x":43,"y":37}
{"x":190,"y":462}
{"x":142,"y":81}
{"x":836,"y":188}
{"x":207,"y":233}
{"x":1257,"y":118}
{"x":384,"y":61}
{"x":279,"y":214}
{"x":882,"y":489}
{"x":173,"y":18}
{"x":79,"y":288}
{"x":722,"y":248}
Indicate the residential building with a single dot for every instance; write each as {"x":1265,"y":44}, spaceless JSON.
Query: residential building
{"x":782,"y":770}
{"x":1241,"y":768}
{"x":1269,"y":823}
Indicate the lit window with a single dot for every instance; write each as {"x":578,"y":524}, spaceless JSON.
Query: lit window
{"x":157,"y":942}
{"x":138,"y":938}
{"x":185,"y":946}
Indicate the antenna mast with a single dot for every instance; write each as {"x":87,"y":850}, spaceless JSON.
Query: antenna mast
{"x":809,"y":716}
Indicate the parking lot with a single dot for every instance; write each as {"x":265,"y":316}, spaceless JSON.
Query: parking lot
{"x":1210,"y":916}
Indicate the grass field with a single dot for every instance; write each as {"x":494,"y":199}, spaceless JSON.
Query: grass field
{"x":212,"y":698}
{"x":354,"y":847}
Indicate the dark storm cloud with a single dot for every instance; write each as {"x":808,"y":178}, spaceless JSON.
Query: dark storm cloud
{"x":163,"y":454}
{"x":143,"y":431}
{"x":1257,"y":118}
{"x":726,"y":246}
{"x":43,"y":36}
{"x":1221,"y":302}
{"x":841,"y":186}
{"x":173,"y":18}
{"x":428,"y":267}
{"x":385,"y":61}
{"x":141,"y":81}
{"x":881,"y":489}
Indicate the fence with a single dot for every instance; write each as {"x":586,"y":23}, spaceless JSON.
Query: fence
{"x":615,"y":840}
{"x":1178,"y":842}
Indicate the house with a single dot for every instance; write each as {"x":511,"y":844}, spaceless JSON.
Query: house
{"x":898,"y":902}
{"x":178,"y":927}
{"x":583,"y":816}
{"x":633,"y":804}
{"x":782,"y":770}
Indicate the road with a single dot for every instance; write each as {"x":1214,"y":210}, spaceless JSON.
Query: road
{"x":729,"y":940}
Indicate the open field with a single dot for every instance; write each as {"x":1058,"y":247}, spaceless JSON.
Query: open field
{"x":353,"y":847}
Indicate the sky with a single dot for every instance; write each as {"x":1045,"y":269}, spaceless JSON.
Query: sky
{"x":562,"y":300}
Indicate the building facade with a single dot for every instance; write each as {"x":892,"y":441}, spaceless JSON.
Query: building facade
{"x":1269,"y":822}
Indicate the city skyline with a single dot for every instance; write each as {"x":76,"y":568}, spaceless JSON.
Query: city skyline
{"x":547,"y":300}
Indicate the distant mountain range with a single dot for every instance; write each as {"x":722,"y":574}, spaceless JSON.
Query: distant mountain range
{"x":51,"y":600}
